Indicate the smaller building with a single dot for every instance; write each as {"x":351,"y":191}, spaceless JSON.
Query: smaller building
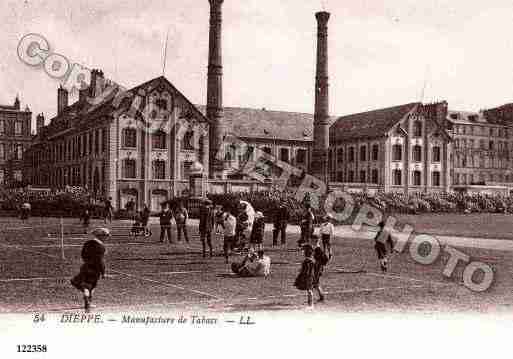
{"x":403,"y":148}
{"x":15,"y":137}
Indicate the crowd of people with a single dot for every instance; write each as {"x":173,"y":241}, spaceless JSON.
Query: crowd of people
{"x":242,"y":231}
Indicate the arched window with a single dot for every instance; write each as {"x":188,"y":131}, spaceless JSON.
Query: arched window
{"x":129,"y":137}
{"x":158,"y":139}
{"x":417,"y":129}
{"x":397,"y":152}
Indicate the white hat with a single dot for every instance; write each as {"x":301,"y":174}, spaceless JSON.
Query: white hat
{"x":259,"y":214}
{"x":101,"y":232}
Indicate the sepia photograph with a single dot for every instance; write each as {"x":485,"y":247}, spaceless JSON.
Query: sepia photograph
{"x":301,"y":178}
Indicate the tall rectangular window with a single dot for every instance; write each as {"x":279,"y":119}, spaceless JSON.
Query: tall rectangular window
{"x":340,"y":155}
{"x":350,"y":176}
{"x":301,"y":156}
{"x":129,"y":137}
{"x":363,"y":153}
{"x":397,"y":177}
{"x":374,"y":176}
{"x":416,"y":178}
{"x":363,"y":177}
{"x":18,"y":128}
{"x":104,"y":140}
{"x":351,"y":154}
{"x":2,"y":126}
{"x":96,"y":141}
{"x":158,"y":139}
{"x":375,"y":152}
{"x":417,"y":153}
{"x":436,"y":154}
{"x":129,"y":168}
{"x":284,"y":154}
{"x":397,"y":153}
{"x":436,"y":178}
{"x":159,"y":169}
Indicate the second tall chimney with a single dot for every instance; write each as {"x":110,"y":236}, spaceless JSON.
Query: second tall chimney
{"x":215,"y":90}
{"x":319,"y":165}
{"x":62,"y":99}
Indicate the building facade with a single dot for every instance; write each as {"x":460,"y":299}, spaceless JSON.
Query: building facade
{"x":401,"y":149}
{"x":482,"y":149}
{"x":115,"y":151}
{"x":15,"y":138}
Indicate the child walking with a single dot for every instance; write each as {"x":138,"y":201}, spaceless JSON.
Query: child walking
{"x":321,"y":260}
{"x":257,"y":232}
{"x":93,"y":253}
{"x":382,"y":239}
{"x":305,"y":279}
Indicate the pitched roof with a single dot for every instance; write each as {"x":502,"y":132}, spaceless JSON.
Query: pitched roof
{"x":502,"y":115}
{"x":369,"y":124}
{"x":268,"y":124}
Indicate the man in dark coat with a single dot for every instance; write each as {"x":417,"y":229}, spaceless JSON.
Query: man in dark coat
{"x":206,"y":225}
{"x":165,"y":217}
{"x":93,"y":253}
{"x":181,"y":217}
{"x":281,"y":219}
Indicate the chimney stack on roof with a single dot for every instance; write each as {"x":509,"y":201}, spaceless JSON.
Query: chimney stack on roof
{"x":62,"y":99}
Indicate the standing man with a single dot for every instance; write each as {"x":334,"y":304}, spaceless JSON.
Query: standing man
{"x":206,"y":225}
{"x":93,"y":253}
{"x":281,"y":219}
{"x":307,"y":226}
{"x":181,"y":217}
{"x":165,"y":223}
{"x":229,"y":233}
{"x":108,"y":210}
{"x":130,"y":208}
{"x":145,"y":217}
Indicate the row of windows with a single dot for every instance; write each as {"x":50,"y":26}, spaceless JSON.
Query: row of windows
{"x":374,"y":155}
{"x":363,"y":177}
{"x":129,"y":169}
{"x":473,"y":178}
{"x":284,"y":154}
{"x":397,"y":178}
{"x":12,"y":151}
{"x":75,"y":147}
{"x":482,"y":144}
{"x":481,"y":131}
{"x":397,"y":153}
{"x":158,"y":139}
{"x":18,"y":128}
{"x":480,"y":161}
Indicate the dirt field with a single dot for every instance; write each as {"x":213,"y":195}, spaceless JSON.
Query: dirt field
{"x":143,"y":274}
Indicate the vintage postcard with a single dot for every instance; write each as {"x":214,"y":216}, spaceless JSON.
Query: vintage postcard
{"x":255,"y":178}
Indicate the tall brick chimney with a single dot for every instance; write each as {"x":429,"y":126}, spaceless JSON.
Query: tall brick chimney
{"x":215,"y":89}
{"x":62,"y":99}
{"x":319,"y":164}
{"x":40,"y":123}
{"x":97,"y":83}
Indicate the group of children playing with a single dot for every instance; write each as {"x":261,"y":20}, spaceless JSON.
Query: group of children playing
{"x":317,"y":249}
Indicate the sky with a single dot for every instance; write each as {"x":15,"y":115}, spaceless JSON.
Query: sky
{"x":381,"y":53}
